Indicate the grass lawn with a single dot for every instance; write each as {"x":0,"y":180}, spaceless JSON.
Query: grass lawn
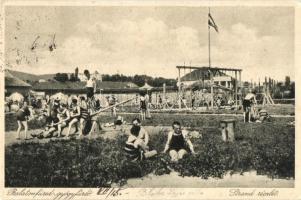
{"x":268,"y":148}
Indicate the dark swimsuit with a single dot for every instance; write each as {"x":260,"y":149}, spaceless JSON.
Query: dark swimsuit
{"x":177,"y":142}
{"x":142,"y":104}
{"x":22,"y":114}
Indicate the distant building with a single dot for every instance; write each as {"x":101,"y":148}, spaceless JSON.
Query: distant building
{"x":225,"y":81}
{"x":96,"y":75}
{"x":203,"y":76}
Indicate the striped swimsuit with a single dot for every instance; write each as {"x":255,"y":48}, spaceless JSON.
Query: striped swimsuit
{"x":133,"y":153}
{"x":84,"y":113}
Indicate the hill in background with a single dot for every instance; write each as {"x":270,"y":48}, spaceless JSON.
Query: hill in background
{"x":27,"y":77}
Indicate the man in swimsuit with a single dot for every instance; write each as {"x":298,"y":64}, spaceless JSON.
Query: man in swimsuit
{"x":74,"y":115}
{"x":90,"y":84}
{"x":248,"y":103}
{"x":94,"y":117}
{"x":64,"y":117}
{"x":143,"y":106}
{"x":135,"y":148}
{"x":178,"y":143}
{"x":143,"y":134}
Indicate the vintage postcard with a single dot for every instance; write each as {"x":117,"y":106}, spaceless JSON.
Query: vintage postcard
{"x":150,"y":100}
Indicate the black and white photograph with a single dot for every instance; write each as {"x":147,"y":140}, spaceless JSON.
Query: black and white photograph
{"x":149,"y":96}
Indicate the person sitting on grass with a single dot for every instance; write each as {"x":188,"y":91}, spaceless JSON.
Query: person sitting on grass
{"x":143,"y":134}
{"x":22,"y":117}
{"x":178,"y":143}
{"x":135,"y":148}
{"x":74,"y":115}
{"x":64,"y":117}
{"x":52,"y":122}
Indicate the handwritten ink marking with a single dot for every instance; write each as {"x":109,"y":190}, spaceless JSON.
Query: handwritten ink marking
{"x":109,"y":192}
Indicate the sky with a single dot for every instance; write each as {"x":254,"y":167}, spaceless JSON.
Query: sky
{"x":150,"y":40}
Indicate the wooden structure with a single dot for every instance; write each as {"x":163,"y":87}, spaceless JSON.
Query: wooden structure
{"x":213,"y":72}
{"x":267,"y":99}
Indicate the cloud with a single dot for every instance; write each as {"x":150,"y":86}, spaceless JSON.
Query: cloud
{"x":150,"y":46}
{"x":242,"y":47}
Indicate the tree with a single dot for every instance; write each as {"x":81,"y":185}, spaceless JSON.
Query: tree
{"x":292,"y":89}
{"x":76,"y":73}
{"x":287,"y":82}
{"x":72,"y":78}
{"x":61,"y":77}
{"x":140,"y":80}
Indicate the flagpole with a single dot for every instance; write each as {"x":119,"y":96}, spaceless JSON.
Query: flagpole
{"x":209,"y":42}
{"x":209,"y":59}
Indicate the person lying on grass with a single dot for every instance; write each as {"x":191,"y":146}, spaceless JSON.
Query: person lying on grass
{"x":118,"y":123}
{"x":135,"y":148}
{"x":22,"y":117}
{"x":178,"y":143}
{"x":261,"y":115}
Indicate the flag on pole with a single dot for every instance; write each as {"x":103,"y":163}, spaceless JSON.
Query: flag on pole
{"x":212,"y":23}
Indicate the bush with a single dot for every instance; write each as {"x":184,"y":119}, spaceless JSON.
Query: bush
{"x":266,"y":148}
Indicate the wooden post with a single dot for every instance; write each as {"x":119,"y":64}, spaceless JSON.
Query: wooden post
{"x":164,"y":91}
{"x":211,"y":80}
{"x":268,"y":86}
{"x":265,"y":85}
{"x":240,"y":86}
{"x":236,"y":89}
{"x":179,"y":89}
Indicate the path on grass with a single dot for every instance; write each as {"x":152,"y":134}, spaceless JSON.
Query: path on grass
{"x":107,"y":132}
{"x":173,"y":180}
{"x":206,"y":114}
